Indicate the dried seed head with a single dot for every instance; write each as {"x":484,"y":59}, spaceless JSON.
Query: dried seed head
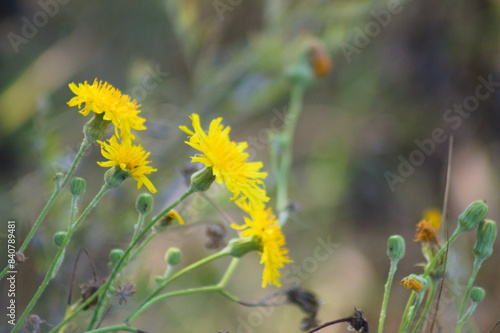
{"x":125,"y":291}
{"x":88,"y":290}
{"x":305,"y":300}
{"x":216,"y":234}
{"x":33,"y":323}
{"x":20,"y":258}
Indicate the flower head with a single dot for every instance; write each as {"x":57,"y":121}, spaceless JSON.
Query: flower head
{"x":433,"y":215}
{"x":426,"y":232}
{"x":228,"y":161}
{"x":263,"y":225}
{"x":128,"y":157}
{"x":411,"y":283}
{"x":103,"y":98}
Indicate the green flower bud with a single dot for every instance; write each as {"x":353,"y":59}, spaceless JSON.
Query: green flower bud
{"x":115,"y":256}
{"x":238,"y":247}
{"x":173,"y":256}
{"x":301,"y":72}
{"x":475,"y":213}
{"x":115,"y":176}
{"x":477,"y":294}
{"x":77,"y":186}
{"x":486,"y":235}
{"x":396,"y":247}
{"x":59,"y":238}
{"x":58,"y":179}
{"x":144,"y":203}
{"x":96,"y":127}
{"x":201,"y":180}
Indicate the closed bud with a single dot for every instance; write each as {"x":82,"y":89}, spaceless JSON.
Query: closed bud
{"x":58,"y":179}
{"x":477,"y":294}
{"x":486,"y":235}
{"x":144,"y":203}
{"x":59,"y":238}
{"x":301,"y":73}
{"x":77,"y":186}
{"x":115,"y":176}
{"x":173,"y":256}
{"x":396,"y":247}
{"x":115,"y":256}
{"x":473,"y":215}
{"x":201,"y":180}
{"x":238,"y":247}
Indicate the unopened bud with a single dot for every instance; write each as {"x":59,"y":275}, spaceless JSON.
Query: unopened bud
{"x":477,"y":294}
{"x":58,"y":179}
{"x":59,"y":238}
{"x":396,"y":247}
{"x":144,"y":203}
{"x":77,"y":186}
{"x":486,"y":235}
{"x":115,"y":256}
{"x":201,"y":180}
{"x":238,"y":247}
{"x":173,"y":256}
{"x":473,"y":215}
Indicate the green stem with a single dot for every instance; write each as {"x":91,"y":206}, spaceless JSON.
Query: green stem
{"x":441,"y":251}
{"x":466,"y":316}
{"x":138,"y":227}
{"x":404,"y":319}
{"x":152,"y":301}
{"x":414,"y":310}
{"x":388,"y":284}
{"x":285,"y":162}
{"x":430,"y":297}
{"x":48,"y":205}
{"x":118,"y":267}
{"x":229,"y":272}
{"x":185,"y":270}
{"x":58,"y":259}
{"x":475,"y":269}
{"x":143,"y":245}
{"x":115,"y":328}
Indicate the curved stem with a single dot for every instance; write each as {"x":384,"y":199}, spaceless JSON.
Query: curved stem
{"x":58,"y":259}
{"x":83,"y":147}
{"x":118,"y":267}
{"x":286,"y":158}
{"x":388,"y":284}
{"x":475,"y":269}
{"x":404,"y":319}
{"x":115,"y":328}
{"x":430,"y":296}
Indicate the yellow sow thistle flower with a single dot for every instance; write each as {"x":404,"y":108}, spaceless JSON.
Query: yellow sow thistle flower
{"x":263,"y":225}
{"x":128,"y":157}
{"x":103,"y":98}
{"x":228,"y":161}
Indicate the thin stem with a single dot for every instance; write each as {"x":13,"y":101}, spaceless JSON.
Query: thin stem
{"x":466,"y":316}
{"x":58,"y":259}
{"x":442,"y":250}
{"x":143,"y":245}
{"x":388,"y":284}
{"x":83,"y":147}
{"x":118,"y":267}
{"x":404,"y":319}
{"x":414,"y":310}
{"x":138,"y":227}
{"x":115,"y":328}
{"x":331,"y":323}
{"x":430,"y":296}
{"x":285,"y":162}
{"x":229,"y":272}
{"x":174,"y":277}
{"x":475,"y":269}
{"x":156,"y":299}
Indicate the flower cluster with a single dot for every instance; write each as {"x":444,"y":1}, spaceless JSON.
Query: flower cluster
{"x":229,"y":164}
{"x":111,"y":106}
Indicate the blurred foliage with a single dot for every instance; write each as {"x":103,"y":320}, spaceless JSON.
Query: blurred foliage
{"x":177,"y":57}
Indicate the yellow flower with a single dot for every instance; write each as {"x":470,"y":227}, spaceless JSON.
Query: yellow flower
{"x":263,"y":225}
{"x":228,"y":161}
{"x":103,"y":98}
{"x":128,"y":157}
{"x":411,"y":283}
{"x":433,"y":215}
{"x":173,"y":215}
{"x":426,"y":232}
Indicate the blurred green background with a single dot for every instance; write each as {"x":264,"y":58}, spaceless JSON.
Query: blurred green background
{"x":398,"y":68}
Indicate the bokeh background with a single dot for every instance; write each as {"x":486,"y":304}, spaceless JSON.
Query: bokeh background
{"x":389,"y":86}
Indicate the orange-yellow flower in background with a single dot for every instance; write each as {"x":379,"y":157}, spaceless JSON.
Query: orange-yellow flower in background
{"x":411,"y":283}
{"x":425,"y":232}
{"x":228,"y":161}
{"x":128,"y":157}
{"x":104,"y":98}
{"x":433,"y":215}
{"x":263,"y":225}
